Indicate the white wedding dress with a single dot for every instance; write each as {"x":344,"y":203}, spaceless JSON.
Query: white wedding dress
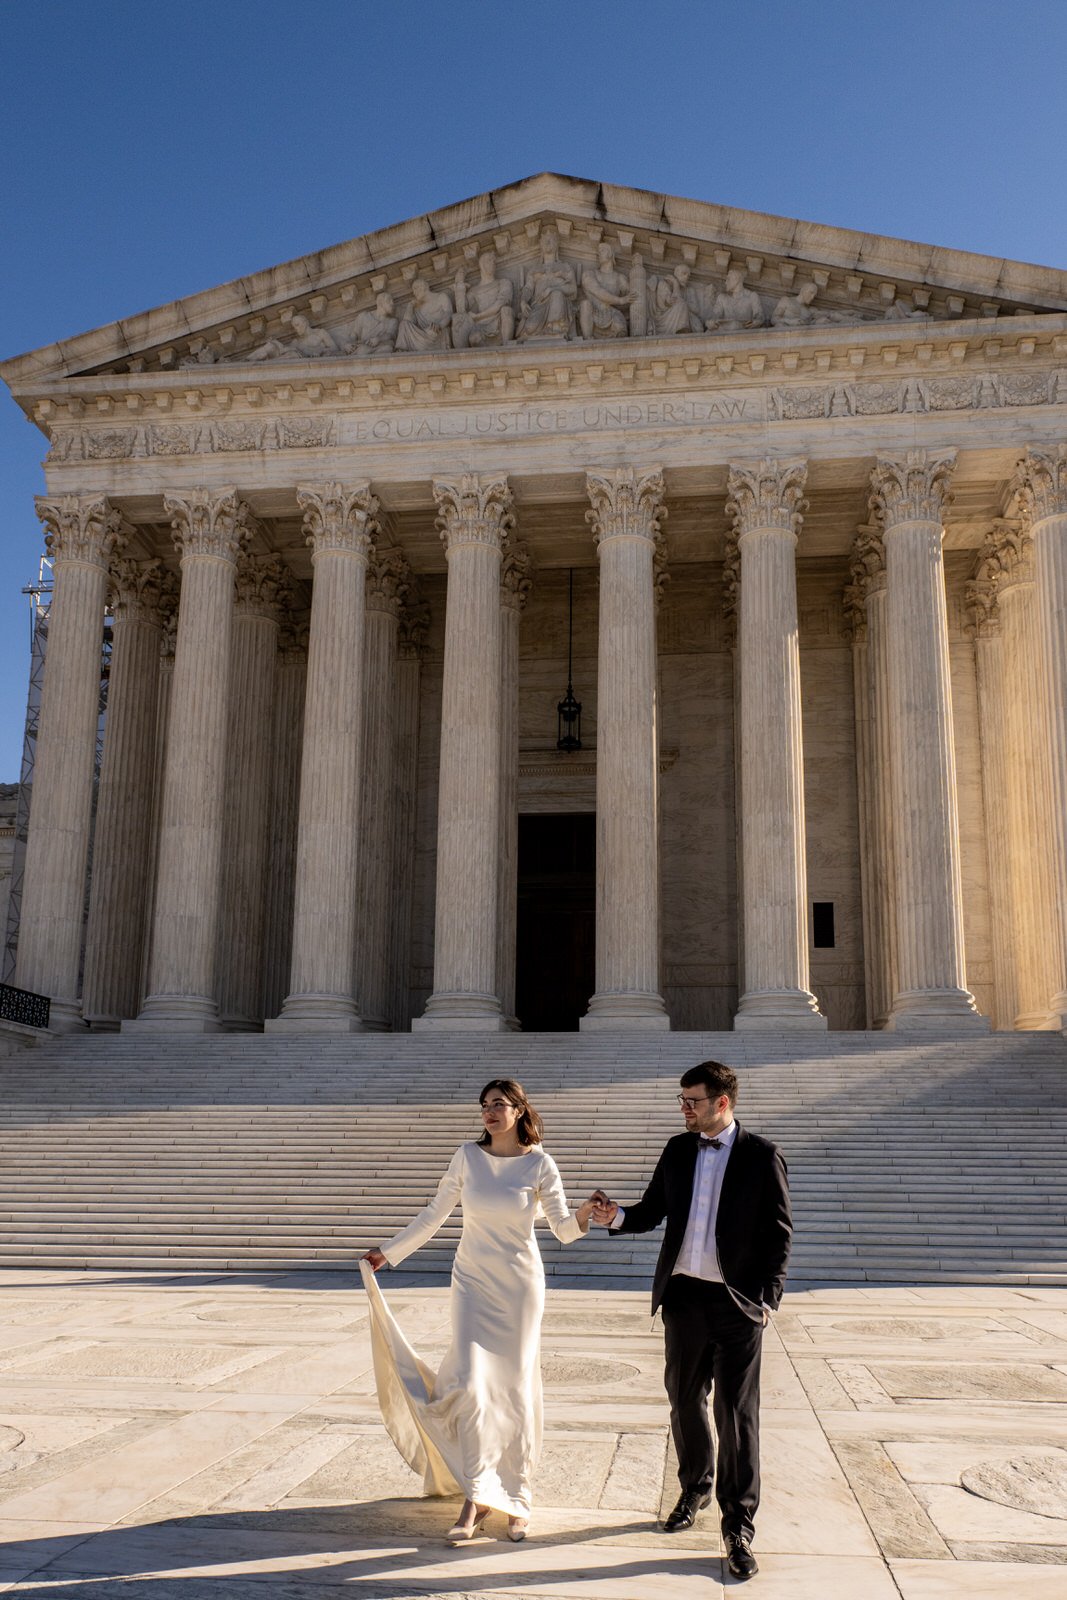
{"x":475,"y":1424}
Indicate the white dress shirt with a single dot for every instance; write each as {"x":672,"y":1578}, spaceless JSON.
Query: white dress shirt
{"x":698,"y":1257}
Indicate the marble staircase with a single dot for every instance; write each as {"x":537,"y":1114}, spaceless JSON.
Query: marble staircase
{"x":921,"y":1161}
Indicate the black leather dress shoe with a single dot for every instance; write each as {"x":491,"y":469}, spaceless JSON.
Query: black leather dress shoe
{"x":690,"y":1501}
{"x":739,"y":1558}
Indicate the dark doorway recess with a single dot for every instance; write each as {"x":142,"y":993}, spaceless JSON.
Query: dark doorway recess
{"x":556,"y":943}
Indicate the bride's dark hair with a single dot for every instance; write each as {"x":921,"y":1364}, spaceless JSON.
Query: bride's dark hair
{"x":529,"y":1127}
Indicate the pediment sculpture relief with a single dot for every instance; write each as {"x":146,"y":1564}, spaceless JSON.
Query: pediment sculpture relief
{"x":552,"y":299}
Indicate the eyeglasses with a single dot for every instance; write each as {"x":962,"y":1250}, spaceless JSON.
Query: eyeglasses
{"x":687,"y":1102}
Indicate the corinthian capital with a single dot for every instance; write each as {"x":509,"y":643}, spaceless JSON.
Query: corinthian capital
{"x":766,"y":494}
{"x":867,"y":569}
{"x":1007,"y":555}
{"x":912,"y":487}
{"x":205,"y":522}
{"x":515,"y":580}
{"x":388,"y":578}
{"x":473,"y":509}
{"x":263,"y":586}
{"x":337,"y":517}
{"x":141,"y":591}
{"x":626,"y":502}
{"x":1041,"y":480}
{"x":81,"y":527}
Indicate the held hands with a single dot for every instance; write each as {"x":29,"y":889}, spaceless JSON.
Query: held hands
{"x":604,"y":1210}
{"x":374,"y":1258}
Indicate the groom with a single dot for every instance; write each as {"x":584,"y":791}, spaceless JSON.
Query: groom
{"x":720,"y":1274}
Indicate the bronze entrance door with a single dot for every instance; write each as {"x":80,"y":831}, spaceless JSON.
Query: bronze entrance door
{"x":556,"y":934}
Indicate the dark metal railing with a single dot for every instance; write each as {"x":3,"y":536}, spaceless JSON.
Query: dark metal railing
{"x":19,"y":1005}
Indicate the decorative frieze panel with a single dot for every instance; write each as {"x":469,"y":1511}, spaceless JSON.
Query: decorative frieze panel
{"x":187,"y":439}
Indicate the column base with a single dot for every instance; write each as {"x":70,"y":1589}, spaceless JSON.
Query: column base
{"x":458,"y":1012}
{"x":316,"y":1013}
{"x":778,"y":1011}
{"x":64,"y":1016}
{"x":175,"y":1013}
{"x":1039,"y":1022}
{"x":940,"y":1011}
{"x":618,"y":1013}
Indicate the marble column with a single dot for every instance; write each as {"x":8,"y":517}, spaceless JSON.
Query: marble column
{"x":262,"y":591}
{"x":627,"y":508}
{"x":182,"y":963}
{"x":290,"y":689}
{"x":339,"y":523}
{"x":474,"y":519}
{"x":1041,"y":480}
{"x":984,"y":625}
{"x":765,"y":500}
{"x":871,"y":690}
{"x":387,"y":578}
{"x":118,"y":903}
{"x":82,"y":533}
{"x":168,"y":645}
{"x":515,"y":588}
{"x":908,"y":496}
{"x":414,"y":622}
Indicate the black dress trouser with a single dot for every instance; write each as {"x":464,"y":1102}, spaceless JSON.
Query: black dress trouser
{"x":712,"y":1346}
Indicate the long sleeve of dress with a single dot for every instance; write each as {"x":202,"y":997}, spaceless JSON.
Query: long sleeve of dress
{"x":553,"y":1202}
{"x":430,"y":1218}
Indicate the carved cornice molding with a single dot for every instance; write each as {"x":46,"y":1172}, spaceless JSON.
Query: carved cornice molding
{"x":337,"y":517}
{"x":205,"y":523}
{"x":912,"y":487}
{"x":388,"y":581}
{"x":1041,"y":482}
{"x":264,"y":587}
{"x":625,"y":504}
{"x":515,"y":579}
{"x":473,"y":509}
{"x":82,"y":528}
{"x":766,"y":494}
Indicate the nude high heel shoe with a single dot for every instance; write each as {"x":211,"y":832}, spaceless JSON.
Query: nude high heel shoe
{"x":517,"y":1529}
{"x":459,"y":1534}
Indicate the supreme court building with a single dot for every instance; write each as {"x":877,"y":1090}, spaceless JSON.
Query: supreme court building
{"x":783,"y":507}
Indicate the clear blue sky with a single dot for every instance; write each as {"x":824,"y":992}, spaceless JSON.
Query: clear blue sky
{"x":152,"y":150}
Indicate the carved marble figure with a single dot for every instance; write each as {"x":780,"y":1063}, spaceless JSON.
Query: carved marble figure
{"x":673,"y":306}
{"x":605,"y":294}
{"x":202,"y":356}
{"x":796,"y":310}
{"x":735,"y":306}
{"x":425,"y":325}
{"x":550,"y":295}
{"x":485,"y":312}
{"x":904,"y":311}
{"x":309,"y":342}
{"x":374,"y":332}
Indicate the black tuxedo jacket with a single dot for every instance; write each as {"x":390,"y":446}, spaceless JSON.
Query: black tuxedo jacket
{"x":753,"y":1227}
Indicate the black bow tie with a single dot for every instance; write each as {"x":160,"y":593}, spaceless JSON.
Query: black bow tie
{"x":712,"y":1144}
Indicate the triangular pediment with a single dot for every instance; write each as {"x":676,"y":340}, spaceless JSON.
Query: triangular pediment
{"x":667,"y":270}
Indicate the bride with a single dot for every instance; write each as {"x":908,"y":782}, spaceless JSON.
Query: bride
{"x":476,"y":1422}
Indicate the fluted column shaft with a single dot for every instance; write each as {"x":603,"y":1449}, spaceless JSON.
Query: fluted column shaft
{"x":386,"y":581}
{"x":514,"y":590}
{"x":908,"y":495}
{"x":1042,"y":481}
{"x":260,"y":586}
{"x":627,"y":508}
{"x":474,"y":518}
{"x":338,"y":522}
{"x":81,"y":534}
{"x":766,"y":501}
{"x":118,"y":904}
{"x":414,"y":619}
{"x":182,"y":965}
{"x":992,"y":717}
{"x":290,"y":689}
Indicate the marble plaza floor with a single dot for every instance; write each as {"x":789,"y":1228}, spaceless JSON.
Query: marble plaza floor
{"x":216,"y":1438}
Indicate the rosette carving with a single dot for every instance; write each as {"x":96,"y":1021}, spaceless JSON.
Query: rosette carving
{"x":767,"y":494}
{"x":337,"y":517}
{"x":473,"y":509}
{"x":912,"y":487}
{"x":626,"y":502}
{"x":81,"y":527}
